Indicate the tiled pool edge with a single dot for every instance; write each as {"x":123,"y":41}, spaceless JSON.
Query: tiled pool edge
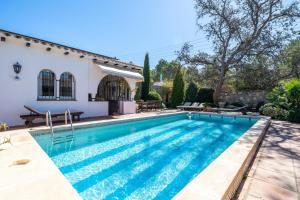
{"x":89,"y":124}
{"x":46,"y":130}
{"x":231,"y":191}
{"x":222,"y":177}
{"x":71,"y":191}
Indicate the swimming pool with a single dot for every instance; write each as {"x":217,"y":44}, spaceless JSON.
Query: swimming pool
{"x":151,"y":158}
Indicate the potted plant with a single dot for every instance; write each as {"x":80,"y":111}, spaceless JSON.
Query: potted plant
{"x":3,"y":126}
{"x":5,"y":140}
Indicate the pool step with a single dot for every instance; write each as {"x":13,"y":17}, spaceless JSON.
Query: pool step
{"x":62,"y":139}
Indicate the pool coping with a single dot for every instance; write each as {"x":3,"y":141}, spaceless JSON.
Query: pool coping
{"x":90,"y":124}
{"x":39,"y":179}
{"x":37,"y":175}
{"x":222,"y":177}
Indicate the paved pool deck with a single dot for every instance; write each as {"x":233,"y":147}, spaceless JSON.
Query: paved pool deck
{"x":275,"y":173}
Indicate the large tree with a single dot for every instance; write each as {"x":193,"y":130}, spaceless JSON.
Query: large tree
{"x":146,"y":74}
{"x":240,"y":29}
{"x":291,"y":58}
{"x":193,"y":74}
{"x":260,"y":74}
{"x":165,"y":70}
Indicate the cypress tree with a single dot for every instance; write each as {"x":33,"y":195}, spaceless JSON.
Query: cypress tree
{"x":146,"y":74}
{"x":191,"y":92}
{"x":178,"y":89}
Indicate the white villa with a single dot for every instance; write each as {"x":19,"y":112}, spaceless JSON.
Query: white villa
{"x":49,"y":76}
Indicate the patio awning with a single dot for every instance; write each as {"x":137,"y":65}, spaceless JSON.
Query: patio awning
{"x":121,"y":73}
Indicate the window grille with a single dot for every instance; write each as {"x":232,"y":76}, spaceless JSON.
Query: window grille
{"x":46,"y":85}
{"x":66,"y":86}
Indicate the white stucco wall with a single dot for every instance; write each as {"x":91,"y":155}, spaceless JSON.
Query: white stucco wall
{"x":127,"y":107}
{"x":14,"y":94}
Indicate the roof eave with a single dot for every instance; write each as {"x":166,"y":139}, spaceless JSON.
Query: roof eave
{"x":96,"y":56}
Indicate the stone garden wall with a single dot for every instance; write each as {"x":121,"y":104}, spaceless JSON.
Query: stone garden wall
{"x":246,"y":97}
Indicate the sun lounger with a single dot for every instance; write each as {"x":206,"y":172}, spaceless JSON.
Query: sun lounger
{"x":200,"y":107}
{"x":35,"y":114}
{"x":243,"y":110}
{"x":194,"y":106}
{"x":184,"y":105}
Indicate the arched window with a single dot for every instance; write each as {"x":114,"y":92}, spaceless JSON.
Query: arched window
{"x":67,"y":86}
{"x":46,"y":85}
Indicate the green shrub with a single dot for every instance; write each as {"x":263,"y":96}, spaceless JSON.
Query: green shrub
{"x":293,"y":90}
{"x":191,"y":92}
{"x":294,"y":115}
{"x":279,"y":97}
{"x":274,"y":111}
{"x":205,"y":95}
{"x":284,"y":101}
{"x":178,"y":89}
{"x":153,"y":95}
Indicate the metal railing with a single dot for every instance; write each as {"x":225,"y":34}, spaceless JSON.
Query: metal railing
{"x":49,"y":122}
{"x":60,"y":139}
{"x":70,"y":120}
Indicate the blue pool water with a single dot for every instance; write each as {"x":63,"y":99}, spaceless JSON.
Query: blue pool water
{"x":146,"y":159}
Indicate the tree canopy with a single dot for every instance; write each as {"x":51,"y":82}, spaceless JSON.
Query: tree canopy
{"x":165,"y":69}
{"x":259,"y":74}
{"x":291,"y":57}
{"x":240,"y":30}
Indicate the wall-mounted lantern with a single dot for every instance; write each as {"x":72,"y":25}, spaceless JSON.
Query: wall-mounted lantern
{"x":17,"y":68}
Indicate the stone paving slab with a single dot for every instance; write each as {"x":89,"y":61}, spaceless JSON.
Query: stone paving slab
{"x":275,"y":173}
{"x":36,"y":179}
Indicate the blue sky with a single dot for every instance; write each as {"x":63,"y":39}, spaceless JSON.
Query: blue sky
{"x":125,"y":29}
{"x":118,"y":28}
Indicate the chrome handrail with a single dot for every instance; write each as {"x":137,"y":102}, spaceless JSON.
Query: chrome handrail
{"x":50,"y":122}
{"x":71,"y":122}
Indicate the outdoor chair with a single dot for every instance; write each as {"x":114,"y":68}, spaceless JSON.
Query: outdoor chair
{"x":35,"y":114}
{"x":184,"y":105}
{"x":200,"y":107}
{"x":193,"y":106}
{"x":190,"y":107}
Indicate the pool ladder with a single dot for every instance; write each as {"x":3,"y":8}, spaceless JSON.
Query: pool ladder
{"x":49,"y":122}
{"x":189,"y":115}
{"x":61,"y":139}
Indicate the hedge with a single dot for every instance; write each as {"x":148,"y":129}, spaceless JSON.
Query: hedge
{"x":205,"y":95}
